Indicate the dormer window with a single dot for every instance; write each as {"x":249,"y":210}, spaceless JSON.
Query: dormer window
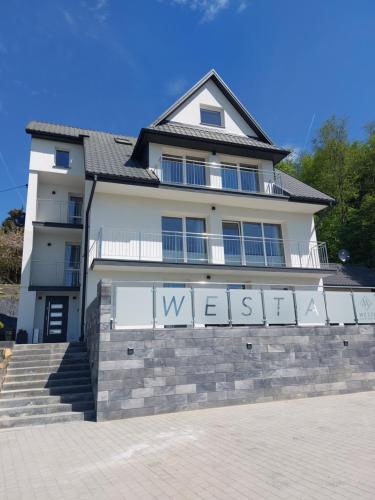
{"x":212,"y":116}
{"x":62,"y":158}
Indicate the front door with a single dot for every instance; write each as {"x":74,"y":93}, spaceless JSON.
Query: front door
{"x":56,"y":319}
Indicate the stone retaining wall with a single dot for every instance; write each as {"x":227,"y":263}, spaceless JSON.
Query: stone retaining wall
{"x":168,"y":370}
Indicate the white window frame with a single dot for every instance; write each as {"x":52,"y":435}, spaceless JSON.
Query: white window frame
{"x":208,"y":107}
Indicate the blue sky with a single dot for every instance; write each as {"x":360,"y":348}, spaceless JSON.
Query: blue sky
{"x":115,"y":65}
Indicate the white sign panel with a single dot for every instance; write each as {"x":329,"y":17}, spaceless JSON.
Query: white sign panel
{"x":134,"y":307}
{"x":173,"y":306}
{"x":340,"y":307}
{"x":246,"y":307}
{"x":279,"y":307}
{"x":365,"y":307}
{"x":310,"y":308}
{"x":210,"y":306}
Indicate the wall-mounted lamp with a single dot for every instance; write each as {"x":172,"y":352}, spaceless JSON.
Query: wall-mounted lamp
{"x":346,"y":343}
{"x":249,"y":346}
{"x":208,"y":277}
{"x":49,"y":244}
{"x":53,"y":192}
{"x":130,"y":351}
{"x":213,"y":208}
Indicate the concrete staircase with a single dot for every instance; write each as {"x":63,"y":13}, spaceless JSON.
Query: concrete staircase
{"x":46,"y":383}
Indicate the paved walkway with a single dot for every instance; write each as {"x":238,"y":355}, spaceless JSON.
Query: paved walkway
{"x":310,"y":448}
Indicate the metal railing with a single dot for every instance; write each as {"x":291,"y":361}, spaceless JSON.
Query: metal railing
{"x":221,"y":176}
{"x":204,"y":248}
{"x":54,"y":273}
{"x":67,"y":212}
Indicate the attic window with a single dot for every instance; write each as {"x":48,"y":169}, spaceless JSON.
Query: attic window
{"x":123,"y":140}
{"x":212,"y":116}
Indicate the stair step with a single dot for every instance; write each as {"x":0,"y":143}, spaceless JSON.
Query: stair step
{"x":21,"y":411}
{"x":55,"y":368}
{"x":47,"y":376}
{"x":40,"y":356}
{"x":32,"y":363}
{"x":57,"y":345}
{"x":44,"y":383}
{"x":45,"y":400}
{"x":43,"y":391}
{"x":46,"y":419}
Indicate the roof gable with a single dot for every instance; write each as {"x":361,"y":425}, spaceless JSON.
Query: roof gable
{"x":211,"y":90}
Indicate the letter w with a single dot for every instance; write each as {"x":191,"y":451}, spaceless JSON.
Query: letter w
{"x":173,"y":301}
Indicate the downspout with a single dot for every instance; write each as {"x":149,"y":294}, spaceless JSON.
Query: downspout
{"x":85,"y":259}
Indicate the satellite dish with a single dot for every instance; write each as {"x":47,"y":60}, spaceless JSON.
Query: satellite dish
{"x":19,"y":220}
{"x":344,"y":255}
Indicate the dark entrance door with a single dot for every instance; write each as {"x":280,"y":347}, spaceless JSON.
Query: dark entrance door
{"x":56,"y":319}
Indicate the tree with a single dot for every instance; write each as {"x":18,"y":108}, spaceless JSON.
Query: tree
{"x":11,"y":242}
{"x":346,"y":171}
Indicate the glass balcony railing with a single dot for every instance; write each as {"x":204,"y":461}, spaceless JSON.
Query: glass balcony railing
{"x":237,"y":178}
{"x":203,"y":248}
{"x":66,"y":212}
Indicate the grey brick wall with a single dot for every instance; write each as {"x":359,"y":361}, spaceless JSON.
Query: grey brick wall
{"x":184,"y":369}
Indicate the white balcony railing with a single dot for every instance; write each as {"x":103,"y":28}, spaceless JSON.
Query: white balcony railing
{"x":54,"y":274}
{"x":197,"y":248}
{"x":66,"y":212}
{"x":220,"y":176}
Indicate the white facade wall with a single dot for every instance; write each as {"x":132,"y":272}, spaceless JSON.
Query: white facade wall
{"x":210,"y":95}
{"x":41,"y":263}
{"x":131,"y":227}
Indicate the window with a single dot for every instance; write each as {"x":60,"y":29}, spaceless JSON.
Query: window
{"x":229,"y":177}
{"x":195,"y":171}
{"x":211,"y":117}
{"x":172,"y":169}
{"x":75,"y":210}
{"x":232,"y":243}
{"x":62,"y":158}
{"x":274,"y":244}
{"x":184,"y":239}
{"x":249,"y":178}
{"x":253,"y":244}
{"x":72,"y":264}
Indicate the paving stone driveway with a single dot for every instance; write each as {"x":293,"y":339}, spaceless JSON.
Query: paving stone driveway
{"x":309,"y":448}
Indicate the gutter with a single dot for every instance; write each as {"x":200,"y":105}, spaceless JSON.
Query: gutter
{"x":85,"y":258}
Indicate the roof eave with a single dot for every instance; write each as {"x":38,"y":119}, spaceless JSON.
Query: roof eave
{"x":146,"y":133}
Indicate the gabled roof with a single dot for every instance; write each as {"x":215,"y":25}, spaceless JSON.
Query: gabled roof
{"x":213,"y":75}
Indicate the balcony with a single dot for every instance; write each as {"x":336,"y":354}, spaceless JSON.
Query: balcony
{"x":53,"y":275}
{"x":202,"y":248}
{"x":61,"y":212}
{"x":215,"y":176}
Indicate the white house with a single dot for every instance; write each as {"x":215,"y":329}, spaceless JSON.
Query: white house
{"x":196,"y":197}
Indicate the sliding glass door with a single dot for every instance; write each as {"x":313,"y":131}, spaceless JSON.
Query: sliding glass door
{"x":274,"y":245}
{"x":232,"y":243}
{"x":184,"y":239}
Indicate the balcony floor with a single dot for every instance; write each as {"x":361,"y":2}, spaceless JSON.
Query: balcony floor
{"x":103,"y":264}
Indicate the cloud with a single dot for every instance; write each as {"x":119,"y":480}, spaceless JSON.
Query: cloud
{"x":176,"y":86}
{"x":69,"y":19}
{"x":210,"y":8}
